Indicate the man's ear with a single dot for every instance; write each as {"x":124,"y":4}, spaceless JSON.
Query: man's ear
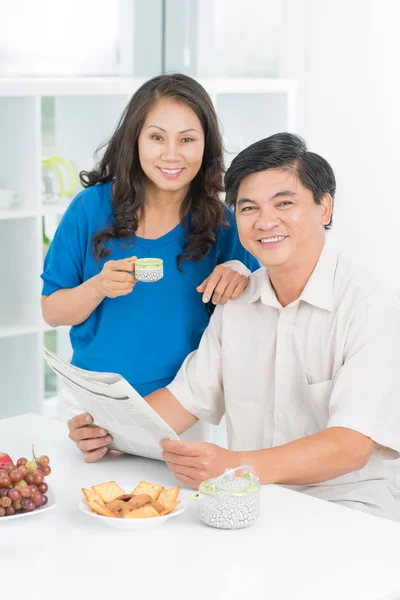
{"x":326,"y":207}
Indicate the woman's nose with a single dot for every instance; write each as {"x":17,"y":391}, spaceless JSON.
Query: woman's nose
{"x":170,"y":151}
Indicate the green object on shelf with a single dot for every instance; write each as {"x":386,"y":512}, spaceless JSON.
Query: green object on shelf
{"x":53,"y":163}
{"x":46,"y":241}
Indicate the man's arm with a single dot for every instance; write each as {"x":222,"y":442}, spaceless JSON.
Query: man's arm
{"x":169,"y":409}
{"x":312,"y":459}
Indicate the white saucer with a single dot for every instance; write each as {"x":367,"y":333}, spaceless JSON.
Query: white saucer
{"x":132,"y":524}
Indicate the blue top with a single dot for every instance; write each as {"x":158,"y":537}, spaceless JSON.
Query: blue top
{"x":146,"y":335}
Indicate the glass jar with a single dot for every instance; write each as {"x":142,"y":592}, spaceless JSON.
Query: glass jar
{"x":230,"y":501}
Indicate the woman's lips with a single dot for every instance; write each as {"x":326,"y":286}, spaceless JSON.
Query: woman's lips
{"x":170,"y":173}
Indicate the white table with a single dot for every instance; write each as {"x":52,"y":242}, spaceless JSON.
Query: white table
{"x":300,"y":549}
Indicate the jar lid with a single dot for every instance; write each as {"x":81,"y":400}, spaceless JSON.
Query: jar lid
{"x":230,"y":484}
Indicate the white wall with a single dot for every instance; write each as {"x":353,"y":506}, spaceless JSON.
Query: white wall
{"x":346,"y":56}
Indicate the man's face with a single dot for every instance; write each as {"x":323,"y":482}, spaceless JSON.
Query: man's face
{"x":278,"y":219}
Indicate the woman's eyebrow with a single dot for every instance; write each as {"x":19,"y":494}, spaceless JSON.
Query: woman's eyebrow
{"x":157,"y":126}
{"x":190,"y":129}
{"x":180,"y":132}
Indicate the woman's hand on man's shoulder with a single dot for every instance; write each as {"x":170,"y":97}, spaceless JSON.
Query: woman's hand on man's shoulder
{"x":227,"y":282}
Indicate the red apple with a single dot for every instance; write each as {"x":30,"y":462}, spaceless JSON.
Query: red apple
{"x":4,"y":459}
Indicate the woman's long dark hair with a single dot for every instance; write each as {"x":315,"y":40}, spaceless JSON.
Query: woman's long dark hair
{"x":121,"y":165}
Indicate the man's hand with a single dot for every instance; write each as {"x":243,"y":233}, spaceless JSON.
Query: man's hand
{"x":223,"y":284}
{"x":90,"y":439}
{"x":194,"y":462}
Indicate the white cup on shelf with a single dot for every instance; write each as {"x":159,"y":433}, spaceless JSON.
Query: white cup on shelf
{"x":7,"y":198}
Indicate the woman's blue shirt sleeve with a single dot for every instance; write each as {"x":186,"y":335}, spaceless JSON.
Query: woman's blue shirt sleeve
{"x":64,"y":262}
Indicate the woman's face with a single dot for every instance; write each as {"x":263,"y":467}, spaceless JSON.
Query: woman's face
{"x":171,"y":145}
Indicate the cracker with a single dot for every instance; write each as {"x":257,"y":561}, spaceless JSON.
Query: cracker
{"x":108,"y":491}
{"x":145,"y":487}
{"x":92,"y":496}
{"x":100,"y":509}
{"x":168,"y":510}
{"x":142,"y":513}
{"x":168,"y":497}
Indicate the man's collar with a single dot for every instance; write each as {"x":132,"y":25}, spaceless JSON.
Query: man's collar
{"x":318,"y":290}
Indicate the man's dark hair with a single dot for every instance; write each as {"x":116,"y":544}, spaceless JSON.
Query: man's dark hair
{"x":282,"y":151}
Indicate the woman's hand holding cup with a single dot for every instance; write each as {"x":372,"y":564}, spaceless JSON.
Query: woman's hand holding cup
{"x":117,"y":278}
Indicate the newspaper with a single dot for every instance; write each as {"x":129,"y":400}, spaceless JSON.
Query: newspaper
{"x":115,"y":406}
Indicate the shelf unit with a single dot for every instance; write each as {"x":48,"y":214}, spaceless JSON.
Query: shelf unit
{"x":85,"y":113}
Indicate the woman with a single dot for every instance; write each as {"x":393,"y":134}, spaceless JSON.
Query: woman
{"x":155,"y":193}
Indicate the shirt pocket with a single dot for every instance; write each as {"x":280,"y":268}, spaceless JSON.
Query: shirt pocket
{"x":318,"y":398}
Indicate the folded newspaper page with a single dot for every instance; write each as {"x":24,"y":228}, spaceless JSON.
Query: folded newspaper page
{"x":115,"y":405}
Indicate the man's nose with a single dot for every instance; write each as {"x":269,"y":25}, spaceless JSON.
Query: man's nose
{"x":267,"y":219}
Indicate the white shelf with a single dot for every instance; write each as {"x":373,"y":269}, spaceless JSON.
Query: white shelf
{"x":54,"y":210}
{"x":112,"y":86}
{"x":11,"y":331}
{"x":248,"y":85}
{"x":75,"y":86}
{"x":7,"y":215}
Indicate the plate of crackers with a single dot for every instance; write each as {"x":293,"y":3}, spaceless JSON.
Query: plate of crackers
{"x":145,"y":507}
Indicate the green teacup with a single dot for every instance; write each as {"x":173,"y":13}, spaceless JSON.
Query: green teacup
{"x":149,"y":269}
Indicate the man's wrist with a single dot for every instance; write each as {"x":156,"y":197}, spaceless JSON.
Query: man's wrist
{"x":257,"y":460}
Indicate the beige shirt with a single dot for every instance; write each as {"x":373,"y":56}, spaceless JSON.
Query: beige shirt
{"x":331,"y":358}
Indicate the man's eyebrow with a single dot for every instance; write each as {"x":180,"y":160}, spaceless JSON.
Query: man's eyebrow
{"x":245,"y":201}
{"x":180,"y":132}
{"x":283,"y":194}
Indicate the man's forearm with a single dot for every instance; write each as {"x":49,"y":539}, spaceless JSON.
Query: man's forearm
{"x":169,"y":409}
{"x":312,"y":459}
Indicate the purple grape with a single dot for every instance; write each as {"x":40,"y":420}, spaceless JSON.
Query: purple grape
{"x":37,"y":499}
{"x":43,"y":487}
{"x":14,"y":494}
{"x":25,"y":503}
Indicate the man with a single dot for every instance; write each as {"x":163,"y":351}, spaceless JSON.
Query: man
{"x":306,"y":363}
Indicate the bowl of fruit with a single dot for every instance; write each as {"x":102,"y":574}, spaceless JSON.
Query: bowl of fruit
{"x":23,"y":487}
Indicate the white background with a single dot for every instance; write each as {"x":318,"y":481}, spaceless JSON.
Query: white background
{"x":346,"y":56}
